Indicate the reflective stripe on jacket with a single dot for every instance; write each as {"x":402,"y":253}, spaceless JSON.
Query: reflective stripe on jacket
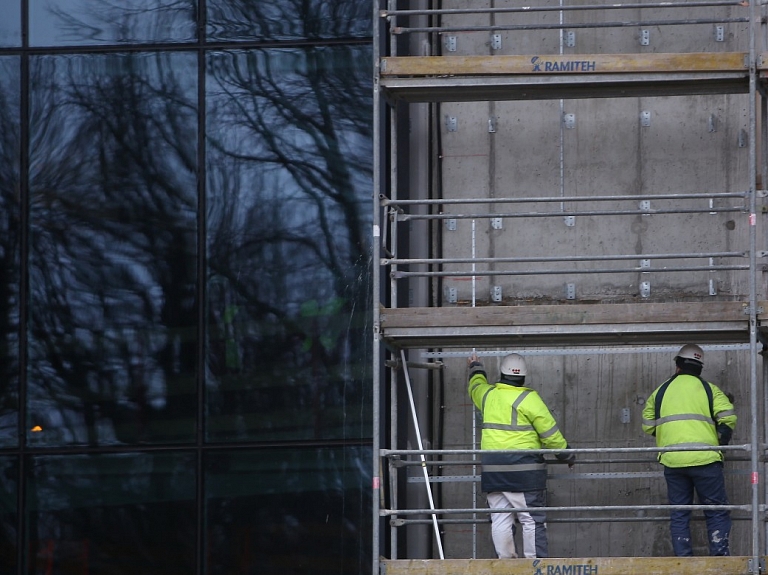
{"x":685,"y":418}
{"x":513,"y":418}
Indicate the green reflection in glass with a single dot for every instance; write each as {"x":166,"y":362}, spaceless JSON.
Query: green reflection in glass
{"x":305,"y":511}
{"x":113,"y":223}
{"x":10,"y":230}
{"x":120,"y":514}
{"x":8,"y":514}
{"x":289,"y":183}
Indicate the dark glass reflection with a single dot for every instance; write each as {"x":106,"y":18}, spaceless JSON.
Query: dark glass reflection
{"x":288,"y":19}
{"x":118,"y":514}
{"x":93,"y":22}
{"x":9,"y":249}
{"x":112,"y":329}
{"x":289,"y":175}
{"x":288,"y":512}
{"x":10,"y":23}
{"x":8,"y":514}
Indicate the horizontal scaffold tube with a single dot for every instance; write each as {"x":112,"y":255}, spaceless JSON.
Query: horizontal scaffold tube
{"x":564,"y":509}
{"x":636,"y":519}
{"x":385,"y":201}
{"x":584,"y":7}
{"x":535,"y":259}
{"x":741,"y":447}
{"x":710,"y":210}
{"x":564,"y":26}
{"x":402,"y":274}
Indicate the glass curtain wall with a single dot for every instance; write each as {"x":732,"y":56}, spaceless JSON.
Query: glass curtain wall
{"x":185,"y":193}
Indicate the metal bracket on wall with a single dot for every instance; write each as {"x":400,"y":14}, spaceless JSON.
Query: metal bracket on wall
{"x":570,"y":38}
{"x":624,"y":417}
{"x":492,"y":125}
{"x":645,"y":205}
{"x":570,"y":221}
{"x":719,"y":33}
{"x":645,"y":118}
{"x":496,"y":293}
{"x":743,"y":138}
{"x":452,"y":294}
{"x":450,"y":225}
{"x":712,"y":124}
{"x":451,"y":123}
{"x":570,"y":291}
{"x":450,"y":43}
{"x":645,"y":37}
{"x":569,"y":120}
{"x":495,"y":41}
{"x":496,"y":223}
{"x":645,"y":289}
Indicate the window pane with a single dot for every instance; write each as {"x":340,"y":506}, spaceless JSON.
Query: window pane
{"x":299,"y":512}
{"x":120,"y":514}
{"x":112,"y":338}
{"x":289,"y":219}
{"x":10,"y":23}
{"x":288,"y":19}
{"x":9,"y":249}
{"x":93,"y":22}
{"x":8,"y":514}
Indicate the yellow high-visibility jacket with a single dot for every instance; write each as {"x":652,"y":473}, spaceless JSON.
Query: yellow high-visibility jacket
{"x":680,"y":413}
{"x":513,"y":418}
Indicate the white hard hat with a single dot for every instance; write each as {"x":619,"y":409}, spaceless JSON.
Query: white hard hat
{"x":691,"y":351}
{"x":513,"y":364}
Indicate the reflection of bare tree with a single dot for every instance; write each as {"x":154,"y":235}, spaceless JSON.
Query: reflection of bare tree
{"x":9,"y":248}
{"x":116,"y":21}
{"x":113,"y":228}
{"x":290,"y":186}
{"x":281,"y":19}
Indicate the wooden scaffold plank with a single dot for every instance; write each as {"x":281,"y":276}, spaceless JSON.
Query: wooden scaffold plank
{"x":571,"y":566}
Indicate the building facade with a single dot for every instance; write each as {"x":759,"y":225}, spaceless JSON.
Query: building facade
{"x":185,"y":287}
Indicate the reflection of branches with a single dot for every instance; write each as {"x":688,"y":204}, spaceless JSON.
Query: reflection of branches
{"x":9,"y":243}
{"x":113,"y":21}
{"x":113,"y":216}
{"x":306,"y":120}
{"x":289,"y":162}
{"x":282,"y":19}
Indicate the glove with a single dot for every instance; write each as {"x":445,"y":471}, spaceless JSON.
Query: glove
{"x":569,"y":458}
{"x":724,"y":434}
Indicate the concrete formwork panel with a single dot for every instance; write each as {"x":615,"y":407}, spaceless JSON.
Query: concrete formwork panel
{"x":621,"y":147}
{"x":528,"y":41}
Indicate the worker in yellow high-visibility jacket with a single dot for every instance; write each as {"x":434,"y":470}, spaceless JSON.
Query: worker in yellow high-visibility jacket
{"x":687,"y":411}
{"x":515,"y":418}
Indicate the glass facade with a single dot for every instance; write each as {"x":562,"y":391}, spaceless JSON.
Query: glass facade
{"x":185,"y":354}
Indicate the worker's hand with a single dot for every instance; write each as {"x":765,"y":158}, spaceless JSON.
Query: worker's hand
{"x":473,"y":359}
{"x":569,"y":458}
{"x":724,"y":434}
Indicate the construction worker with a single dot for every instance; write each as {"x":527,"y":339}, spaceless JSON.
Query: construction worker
{"x":515,"y":418}
{"x":693,"y":412}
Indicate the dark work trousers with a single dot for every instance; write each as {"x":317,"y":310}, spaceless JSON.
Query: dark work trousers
{"x":709,"y":484}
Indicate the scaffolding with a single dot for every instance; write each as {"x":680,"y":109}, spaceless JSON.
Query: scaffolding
{"x":418,"y":66}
